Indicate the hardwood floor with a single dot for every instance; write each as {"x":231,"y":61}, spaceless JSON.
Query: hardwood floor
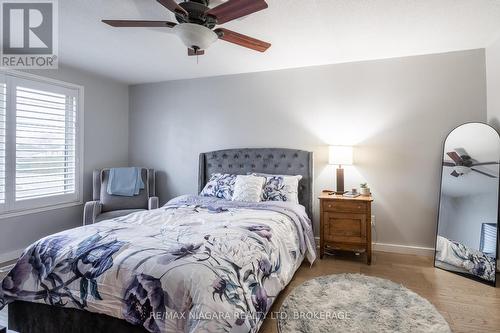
{"x":468,"y":306}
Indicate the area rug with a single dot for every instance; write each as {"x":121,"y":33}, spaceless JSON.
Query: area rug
{"x":357,"y":303}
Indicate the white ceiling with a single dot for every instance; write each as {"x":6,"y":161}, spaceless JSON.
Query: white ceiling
{"x":481,"y":143}
{"x":303,"y":33}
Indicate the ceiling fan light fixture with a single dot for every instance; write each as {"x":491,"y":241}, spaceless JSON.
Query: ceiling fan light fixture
{"x":195,"y":36}
{"x":462,"y":170}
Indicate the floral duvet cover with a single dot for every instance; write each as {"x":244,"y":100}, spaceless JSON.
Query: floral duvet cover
{"x":195,"y":265}
{"x":459,"y":255}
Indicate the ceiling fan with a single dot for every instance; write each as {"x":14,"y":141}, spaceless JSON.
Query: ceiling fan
{"x":462,"y":163}
{"x":196,"y":23}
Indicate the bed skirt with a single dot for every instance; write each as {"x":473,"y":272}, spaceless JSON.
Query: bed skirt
{"x":27,"y":317}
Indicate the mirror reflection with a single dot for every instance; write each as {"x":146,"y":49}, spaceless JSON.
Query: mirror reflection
{"x":468,"y":212}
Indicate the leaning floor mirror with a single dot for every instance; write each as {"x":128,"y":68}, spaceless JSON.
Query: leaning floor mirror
{"x":467,"y":232}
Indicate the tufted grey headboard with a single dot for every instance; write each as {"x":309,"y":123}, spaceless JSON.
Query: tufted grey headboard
{"x":264,"y":160}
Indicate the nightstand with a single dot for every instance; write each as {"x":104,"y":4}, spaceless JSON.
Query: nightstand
{"x":345,"y":224}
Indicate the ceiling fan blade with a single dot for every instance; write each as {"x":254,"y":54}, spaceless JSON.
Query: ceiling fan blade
{"x":448,"y":164}
{"x":486,"y":163}
{"x":173,"y":7}
{"x":192,"y":52}
{"x":461,"y":152}
{"x":484,"y":173}
{"x":242,"y":40}
{"x":138,"y":23}
{"x":234,"y":9}
{"x":454,"y":156}
{"x":455,"y":174}
{"x":467,"y":160}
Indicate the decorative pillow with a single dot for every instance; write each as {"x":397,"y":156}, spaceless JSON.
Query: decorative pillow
{"x":248,"y":188}
{"x":220,"y":185}
{"x":280,"y":188}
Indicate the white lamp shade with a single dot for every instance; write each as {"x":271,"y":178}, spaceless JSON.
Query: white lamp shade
{"x":195,"y":35}
{"x":340,"y":155}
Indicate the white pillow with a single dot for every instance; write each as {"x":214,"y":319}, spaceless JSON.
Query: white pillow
{"x":280,"y":188}
{"x":248,"y":188}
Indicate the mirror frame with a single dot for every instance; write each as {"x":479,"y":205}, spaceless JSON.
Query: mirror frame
{"x":469,"y":276}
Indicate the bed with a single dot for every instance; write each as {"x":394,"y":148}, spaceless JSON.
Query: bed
{"x":198,"y":264}
{"x":457,"y":257}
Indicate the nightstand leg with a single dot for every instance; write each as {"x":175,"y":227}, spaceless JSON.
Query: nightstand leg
{"x":321,"y":236}
{"x":369,"y":235}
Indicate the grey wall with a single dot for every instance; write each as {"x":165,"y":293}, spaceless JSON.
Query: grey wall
{"x":396,"y":112}
{"x":461,"y":218}
{"x":447,"y":215}
{"x":105,"y":144}
{"x":493,"y":83}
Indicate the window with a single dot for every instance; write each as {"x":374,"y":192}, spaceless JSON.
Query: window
{"x":488,"y":240}
{"x":39,"y":143}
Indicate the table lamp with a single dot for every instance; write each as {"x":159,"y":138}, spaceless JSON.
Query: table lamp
{"x":340,"y":155}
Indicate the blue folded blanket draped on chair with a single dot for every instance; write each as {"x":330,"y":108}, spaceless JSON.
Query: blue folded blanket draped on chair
{"x":125,"y":181}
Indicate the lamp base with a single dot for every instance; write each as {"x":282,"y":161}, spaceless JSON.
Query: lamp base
{"x":340,"y":193}
{"x":340,"y":181}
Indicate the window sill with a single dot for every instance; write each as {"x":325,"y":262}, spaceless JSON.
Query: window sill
{"x":7,"y":215}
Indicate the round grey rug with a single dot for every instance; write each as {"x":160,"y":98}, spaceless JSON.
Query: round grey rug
{"x":357,"y":303}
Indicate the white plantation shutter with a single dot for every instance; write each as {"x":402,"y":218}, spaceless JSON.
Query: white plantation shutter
{"x":488,"y":240}
{"x":39,"y":144}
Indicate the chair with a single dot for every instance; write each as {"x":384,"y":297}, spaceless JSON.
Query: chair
{"x":106,"y":206}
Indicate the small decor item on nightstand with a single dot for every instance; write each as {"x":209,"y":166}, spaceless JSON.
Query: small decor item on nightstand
{"x":364,"y":189}
{"x":352,"y":194}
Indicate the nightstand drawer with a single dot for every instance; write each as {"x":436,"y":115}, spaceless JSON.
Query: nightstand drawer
{"x":340,"y":206}
{"x":346,"y":228}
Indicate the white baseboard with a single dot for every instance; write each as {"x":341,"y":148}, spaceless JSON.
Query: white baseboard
{"x":9,"y":256}
{"x":396,"y":248}
{"x":404,"y":249}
